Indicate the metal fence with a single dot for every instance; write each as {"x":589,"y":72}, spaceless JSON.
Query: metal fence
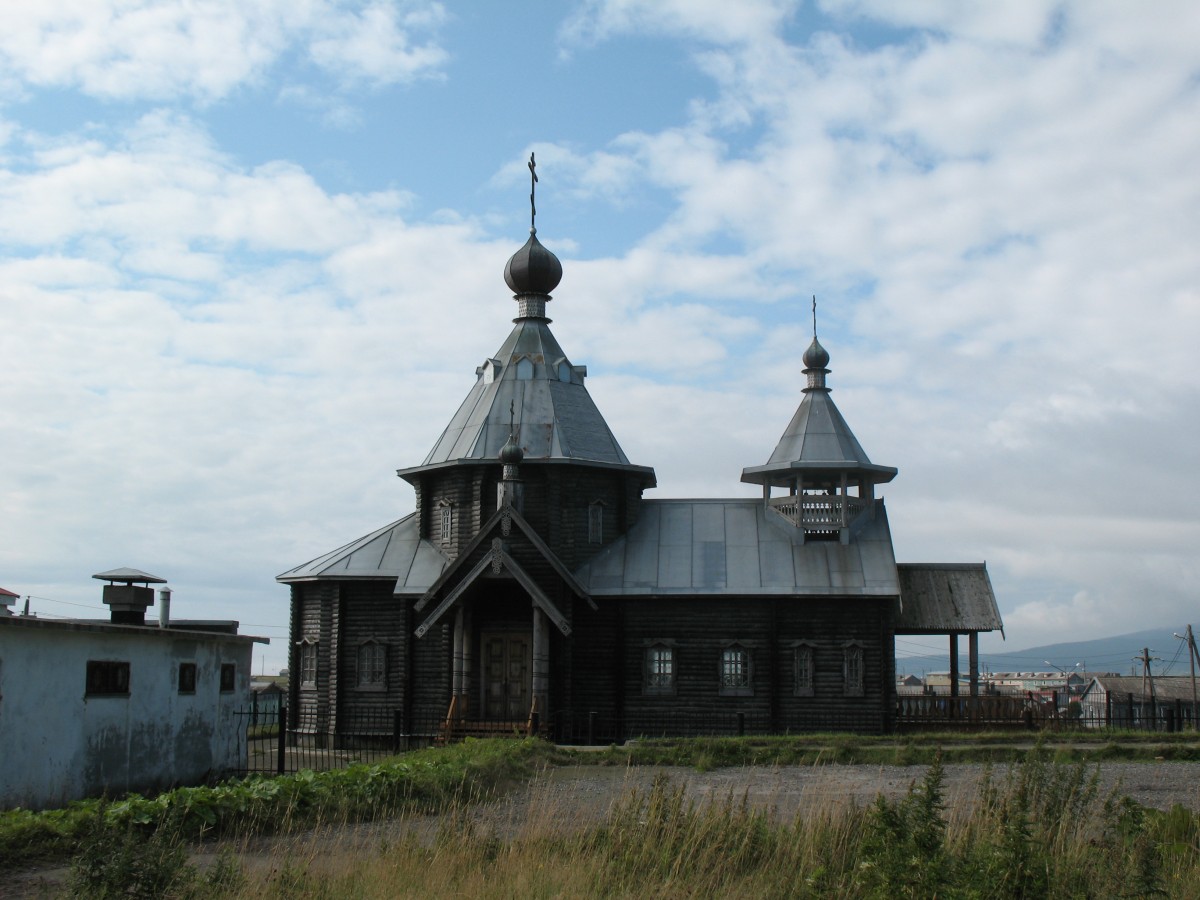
{"x":372,"y":734}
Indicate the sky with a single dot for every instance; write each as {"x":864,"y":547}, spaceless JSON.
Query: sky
{"x":251,"y":253}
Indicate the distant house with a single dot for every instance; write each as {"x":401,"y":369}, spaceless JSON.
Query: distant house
{"x":89,"y":708}
{"x":266,"y":696}
{"x":1130,"y":701}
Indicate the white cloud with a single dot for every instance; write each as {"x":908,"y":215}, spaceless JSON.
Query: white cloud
{"x":206,"y":49}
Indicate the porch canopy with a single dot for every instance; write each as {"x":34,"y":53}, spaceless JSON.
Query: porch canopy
{"x":950,"y":599}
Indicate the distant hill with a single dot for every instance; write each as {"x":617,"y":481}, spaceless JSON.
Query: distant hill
{"x":1168,"y":656}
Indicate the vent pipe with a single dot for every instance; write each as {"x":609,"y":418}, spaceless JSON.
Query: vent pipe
{"x":164,"y":607}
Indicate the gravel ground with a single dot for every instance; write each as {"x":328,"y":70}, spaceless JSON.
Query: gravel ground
{"x":573,"y":797}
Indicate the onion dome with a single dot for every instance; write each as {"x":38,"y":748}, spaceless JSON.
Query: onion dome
{"x":511,"y":453}
{"x":533,"y":269}
{"x":816,"y":356}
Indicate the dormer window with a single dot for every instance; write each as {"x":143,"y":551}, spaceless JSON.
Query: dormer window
{"x":564,"y":371}
{"x":524,"y":369}
{"x":490,"y":370}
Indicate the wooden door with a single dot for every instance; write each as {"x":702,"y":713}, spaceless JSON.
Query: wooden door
{"x":507,"y":676}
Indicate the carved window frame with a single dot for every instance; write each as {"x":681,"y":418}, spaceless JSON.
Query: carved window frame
{"x":660,"y":668}
{"x":596,"y":522}
{"x":445,"y":521}
{"x":804,"y":669}
{"x":736,"y":670}
{"x":309,"y":656}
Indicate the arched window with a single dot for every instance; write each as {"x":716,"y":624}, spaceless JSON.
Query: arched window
{"x":852,"y":669}
{"x":446,"y":527}
{"x":596,"y":522}
{"x":372,"y":666}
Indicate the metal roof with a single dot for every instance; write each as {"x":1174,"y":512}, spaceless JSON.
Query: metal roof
{"x":394,"y":551}
{"x":941,"y":598}
{"x":531,"y":380}
{"x":1166,"y":687}
{"x":738,"y":547}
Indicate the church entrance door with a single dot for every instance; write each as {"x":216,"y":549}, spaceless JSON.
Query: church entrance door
{"x":507,"y":675}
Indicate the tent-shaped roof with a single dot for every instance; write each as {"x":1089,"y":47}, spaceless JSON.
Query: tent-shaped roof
{"x":817,"y":444}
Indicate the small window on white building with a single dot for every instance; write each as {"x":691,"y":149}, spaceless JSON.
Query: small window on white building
{"x":596,"y":522}
{"x":852,"y":669}
{"x":107,"y":678}
{"x":659,"y":675}
{"x":372,"y":666}
{"x":735,"y":670}
{"x":308,"y":664}
{"x":803,"y":670}
{"x":187,"y":678}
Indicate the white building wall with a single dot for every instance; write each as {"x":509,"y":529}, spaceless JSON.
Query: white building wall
{"x":58,"y":744}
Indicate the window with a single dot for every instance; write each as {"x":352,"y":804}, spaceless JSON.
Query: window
{"x":660,"y":669}
{"x":524,"y":369}
{"x":372,"y":666}
{"x":187,"y":678}
{"x":852,"y":669}
{"x":596,"y":522}
{"x":447,"y":521}
{"x":308,"y":664}
{"x":228,"y":677}
{"x":802,"y":672}
{"x":735,"y":670}
{"x":105,"y":678}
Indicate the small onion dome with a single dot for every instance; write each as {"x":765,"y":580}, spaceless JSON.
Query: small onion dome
{"x":816,"y":356}
{"x":533,"y":269}
{"x":511,"y":453}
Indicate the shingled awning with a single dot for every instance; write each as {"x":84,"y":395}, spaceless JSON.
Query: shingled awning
{"x":946,"y":598}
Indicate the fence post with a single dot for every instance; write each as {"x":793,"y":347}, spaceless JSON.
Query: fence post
{"x":1108,"y":709}
{"x":741,"y":720}
{"x":535,"y":723}
{"x":1129,"y":709}
{"x":397,"y":728}
{"x":281,"y":741}
{"x":591,"y":728}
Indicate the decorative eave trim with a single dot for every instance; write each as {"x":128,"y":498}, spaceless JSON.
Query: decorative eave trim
{"x":497,"y":558}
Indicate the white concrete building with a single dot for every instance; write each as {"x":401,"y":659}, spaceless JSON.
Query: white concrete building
{"x":95,"y":708}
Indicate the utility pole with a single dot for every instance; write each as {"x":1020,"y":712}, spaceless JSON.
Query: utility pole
{"x":1192,"y":657}
{"x":1148,"y":679}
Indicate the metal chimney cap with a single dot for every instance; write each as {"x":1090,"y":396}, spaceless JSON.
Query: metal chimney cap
{"x":129,"y":576}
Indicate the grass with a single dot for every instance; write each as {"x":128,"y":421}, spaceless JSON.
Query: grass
{"x":1024,"y":837}
{"x":1041,"y":830}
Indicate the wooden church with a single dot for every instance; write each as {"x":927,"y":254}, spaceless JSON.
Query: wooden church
{"x":536,"y":588}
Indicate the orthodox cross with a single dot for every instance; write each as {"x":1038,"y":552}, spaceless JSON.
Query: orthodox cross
{"x":814,"y":317}
{"x":532,"y":190}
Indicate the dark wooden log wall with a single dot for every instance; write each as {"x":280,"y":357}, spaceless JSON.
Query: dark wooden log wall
{"x":609,"y":647}
{"x":556,"y":501}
